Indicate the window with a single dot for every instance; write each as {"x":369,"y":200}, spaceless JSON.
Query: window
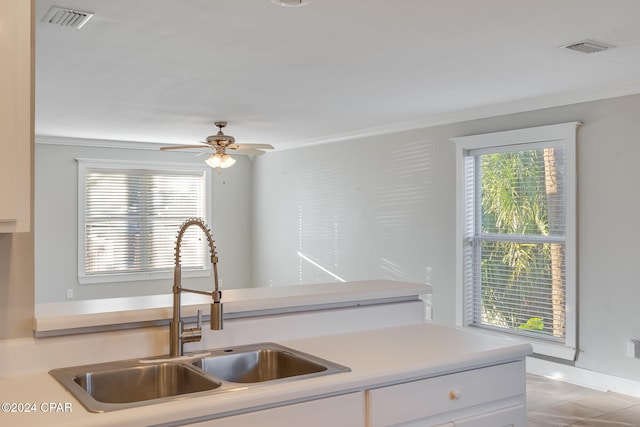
{"x":516,"y":235}
{"x":129,"y":216}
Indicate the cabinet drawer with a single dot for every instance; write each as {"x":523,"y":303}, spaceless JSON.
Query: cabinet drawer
{"x":423,"y":398}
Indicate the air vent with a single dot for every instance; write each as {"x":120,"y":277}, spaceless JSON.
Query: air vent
{"x":67,"y":17}
{"x":588,"y":46}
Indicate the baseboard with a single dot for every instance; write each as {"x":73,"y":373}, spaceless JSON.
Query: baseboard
{"x":583,"y":377}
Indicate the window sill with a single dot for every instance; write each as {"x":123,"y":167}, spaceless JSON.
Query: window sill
{"x":540,"y":347}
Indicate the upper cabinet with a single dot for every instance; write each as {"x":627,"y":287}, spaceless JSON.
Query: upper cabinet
{"x":16,"y":115}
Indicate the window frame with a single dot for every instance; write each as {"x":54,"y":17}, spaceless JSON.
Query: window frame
{"x":88,"y":163}
{"x":558,"y":134}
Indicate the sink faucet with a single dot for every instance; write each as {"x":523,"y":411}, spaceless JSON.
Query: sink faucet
{"x":178,"y":335}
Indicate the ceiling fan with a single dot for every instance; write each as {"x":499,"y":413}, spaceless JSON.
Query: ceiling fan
{"x":220,"y":143}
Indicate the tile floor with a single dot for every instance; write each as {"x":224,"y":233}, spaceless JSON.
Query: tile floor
{"x":553,"y":403}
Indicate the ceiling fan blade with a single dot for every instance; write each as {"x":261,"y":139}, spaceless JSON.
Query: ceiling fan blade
{"x":247,"y":151}
{"x":258,"y":146}
{"x":178,"y":147}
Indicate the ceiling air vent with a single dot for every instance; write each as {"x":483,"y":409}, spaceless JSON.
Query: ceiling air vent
{"x":67,"y":17}
{"x":588,"y":46}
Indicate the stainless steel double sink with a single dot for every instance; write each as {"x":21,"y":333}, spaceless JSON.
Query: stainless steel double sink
{"x":131,"y":383}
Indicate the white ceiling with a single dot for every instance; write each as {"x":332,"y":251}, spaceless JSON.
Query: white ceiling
{"x":165,"y":70}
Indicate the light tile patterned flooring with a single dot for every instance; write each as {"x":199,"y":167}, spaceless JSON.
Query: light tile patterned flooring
{"x":552,"y":403}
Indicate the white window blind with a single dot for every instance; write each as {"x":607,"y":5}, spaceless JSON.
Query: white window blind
{"x":517,"y":238}
{"x":130,"y":214}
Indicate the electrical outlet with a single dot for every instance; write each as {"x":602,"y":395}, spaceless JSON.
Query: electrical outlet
{"x":633,"y":348}
{"x":69,"y":293}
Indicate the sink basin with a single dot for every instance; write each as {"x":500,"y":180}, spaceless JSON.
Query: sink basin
{"x":132,"y":383}
{"x":268,"y":363}
{"x":143,"y":383}
{"x":119,"y":385}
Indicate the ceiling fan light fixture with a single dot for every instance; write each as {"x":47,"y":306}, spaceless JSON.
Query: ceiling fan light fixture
{"x":227,"y":161}
{"x":218,"y":160}
{"x":290,"y":3}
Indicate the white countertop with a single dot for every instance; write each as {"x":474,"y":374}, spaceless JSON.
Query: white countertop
{"x":74,"y":315}
{"x":376,"y":357}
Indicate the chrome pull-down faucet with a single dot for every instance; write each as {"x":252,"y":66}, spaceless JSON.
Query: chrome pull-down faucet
{"x":178,"y":335}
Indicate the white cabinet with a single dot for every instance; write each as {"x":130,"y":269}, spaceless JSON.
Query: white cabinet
{"x":492,"y":397}
{"x":509,"y":416}
{"x":16,"y":118}
{"x":338,"y":411}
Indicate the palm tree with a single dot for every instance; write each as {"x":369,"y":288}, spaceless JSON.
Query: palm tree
{"x":517,"y":275}
{"x":554,"y":186}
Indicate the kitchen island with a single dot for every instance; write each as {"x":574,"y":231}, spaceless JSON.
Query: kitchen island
{"x":402,"y":371}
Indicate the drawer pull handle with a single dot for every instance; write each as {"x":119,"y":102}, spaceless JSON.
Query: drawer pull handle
{"x":454,"y":395}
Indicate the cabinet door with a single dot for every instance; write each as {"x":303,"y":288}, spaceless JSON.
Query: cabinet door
{"x":514,"y":416}
{"x":427,"y":423}
{"x":337,"y":411}
{"x":15,"y":116}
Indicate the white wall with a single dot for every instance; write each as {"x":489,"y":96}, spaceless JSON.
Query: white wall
{"x":384,"y":207}
{"x":56,"y":230}
{"x":356,"y":208}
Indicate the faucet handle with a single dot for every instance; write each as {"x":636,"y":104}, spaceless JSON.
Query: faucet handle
{"x":193,"y":334}
{"x":199,"y":319}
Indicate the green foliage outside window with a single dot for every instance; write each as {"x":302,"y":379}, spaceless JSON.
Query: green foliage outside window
{"x":519,"y":275}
